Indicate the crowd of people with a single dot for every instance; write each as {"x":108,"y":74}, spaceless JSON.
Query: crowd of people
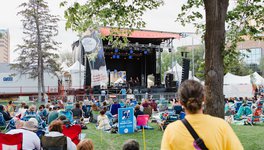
{"x":54,"y":116}
{"x":46,"y":122}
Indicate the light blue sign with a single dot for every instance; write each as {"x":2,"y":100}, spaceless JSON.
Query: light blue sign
{"x":125,"y":120}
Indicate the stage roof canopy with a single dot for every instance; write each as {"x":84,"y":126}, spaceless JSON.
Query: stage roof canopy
{"x":145,"y":36}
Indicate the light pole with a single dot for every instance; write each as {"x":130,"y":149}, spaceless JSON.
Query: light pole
{"x":192,"y":59}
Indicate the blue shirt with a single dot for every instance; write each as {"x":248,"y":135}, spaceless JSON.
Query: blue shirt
{"x":123,"y":91}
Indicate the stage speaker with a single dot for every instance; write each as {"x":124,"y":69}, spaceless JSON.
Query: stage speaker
{"x":185,"y":69}
{"x":157,"y":79}
{"x":168,"y":80}
{"x":174,"y":84}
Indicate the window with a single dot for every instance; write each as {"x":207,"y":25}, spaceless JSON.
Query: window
{"x":252,"y":56}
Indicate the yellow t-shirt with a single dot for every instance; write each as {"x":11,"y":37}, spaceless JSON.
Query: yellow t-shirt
{"x":215,"y":132}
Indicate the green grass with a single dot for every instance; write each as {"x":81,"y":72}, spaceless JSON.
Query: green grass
{"x":251,"y":138}
{"x":115,"y":141}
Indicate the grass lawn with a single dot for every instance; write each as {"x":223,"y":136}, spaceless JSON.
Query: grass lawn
{"x":250,"y":137}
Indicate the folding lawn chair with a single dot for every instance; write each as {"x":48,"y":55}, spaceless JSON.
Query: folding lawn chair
{"x":73,"y":132}
{"x":11,"y":141}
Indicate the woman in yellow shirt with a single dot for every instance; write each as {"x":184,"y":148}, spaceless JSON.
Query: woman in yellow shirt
{"x":215,"y":132}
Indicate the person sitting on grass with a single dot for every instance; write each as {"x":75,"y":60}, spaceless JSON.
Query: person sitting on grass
{"x":55,"y":138}
{"x":103,"y":121}
{"x":10,"y":108}
{"x":77,"y":112}
{"x":131,"y":145}
{"x":138,"y":111}
{"x":85,"y":144}
{"x":6,"y":115}
{"x":53,"y":115}
{"x":30,"y":138}
{"x":114,"y":108}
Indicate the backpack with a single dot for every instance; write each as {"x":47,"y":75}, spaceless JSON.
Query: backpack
{"x":54,"y":143}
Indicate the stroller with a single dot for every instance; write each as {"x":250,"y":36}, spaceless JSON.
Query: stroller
{"x":168,"y":118}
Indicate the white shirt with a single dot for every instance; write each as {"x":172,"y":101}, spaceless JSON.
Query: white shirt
{"x":70,"y":144}
{"x":30,"y":139}
{"x":141,"y":108}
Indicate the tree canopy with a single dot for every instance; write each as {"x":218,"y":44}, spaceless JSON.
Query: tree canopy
{"x":245,"y":19}
{"x":36,"y":53}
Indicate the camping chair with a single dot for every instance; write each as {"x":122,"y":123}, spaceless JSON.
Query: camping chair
{"x":11,"y":141}
{"x":41,"y":123}
{"x":178,"y":109}
{"x":73,"y":132}
{"x":237,"y":106}
{"x":68,"y":114}
{"x":169,"y":118}
{"x":142,"y":120}
{"x":87,"y":110}
{"x":257,"y":115}
{"x":54,"y":143}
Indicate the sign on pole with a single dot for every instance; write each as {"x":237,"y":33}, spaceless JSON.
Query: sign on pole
{"x":125,"y":120}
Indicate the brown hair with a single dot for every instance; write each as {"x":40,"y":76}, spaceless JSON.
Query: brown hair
{"x":56,"y":126}
{"x":131,"y":145}
{"x":191,"y":94}
{"x":85,"y":144}
{"x":102,"y":112}
{"x":137,"y":107}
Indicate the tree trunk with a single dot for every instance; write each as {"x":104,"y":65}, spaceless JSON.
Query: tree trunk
{"x":40,"y":60}
{"x":216,"y":11}
{"x":42,"y":77}
{"x":39,"y":79}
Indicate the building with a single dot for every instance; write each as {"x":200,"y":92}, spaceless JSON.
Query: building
{"x":12,"y":83}
{"x":253,"y":49}
{"x":4,"y":46}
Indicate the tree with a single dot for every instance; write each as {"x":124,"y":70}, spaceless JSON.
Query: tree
{"x":37,"y":51}
{"x":128,"y":14}
{"x":66,"y":57}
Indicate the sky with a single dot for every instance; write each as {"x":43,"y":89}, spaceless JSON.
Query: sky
{"x":161,"y":19}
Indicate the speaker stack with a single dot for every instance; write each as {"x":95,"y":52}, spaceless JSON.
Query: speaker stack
{"x":169,"y":80}
{"x":185,"y":69}
{"x":157,"y":79}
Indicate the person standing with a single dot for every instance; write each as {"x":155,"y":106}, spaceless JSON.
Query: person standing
{"x":123,"y":92}
{"x":215,"y":132}
{"x":103,"y":94}
{"x":10,"y":108}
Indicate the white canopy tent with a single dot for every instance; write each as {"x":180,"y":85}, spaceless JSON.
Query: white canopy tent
{"x":240,"y":86}
{"x":177,"y":72}
{"x":77,"y":75}
{"x":64,"y":66}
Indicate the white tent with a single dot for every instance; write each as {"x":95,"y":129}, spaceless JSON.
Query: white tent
{"x":177,"y":72}
{"x":77,"y":75}
{"x":230,"y":78}
{"x":240,"y":86}
{"x":259,"y":79}
{"x":64,"y":66}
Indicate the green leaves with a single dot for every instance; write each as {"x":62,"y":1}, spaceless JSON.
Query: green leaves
{"x":39,"y":28}
{"x":115,"y":13}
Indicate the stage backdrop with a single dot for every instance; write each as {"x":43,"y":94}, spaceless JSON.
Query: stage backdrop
{"x":93,"y":48}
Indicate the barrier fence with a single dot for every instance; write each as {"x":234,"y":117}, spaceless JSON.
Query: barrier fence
{"x":55,"y":93}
